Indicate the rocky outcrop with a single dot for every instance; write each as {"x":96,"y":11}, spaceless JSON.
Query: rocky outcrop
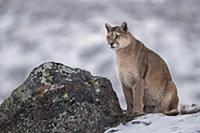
{"x":57,"y":98}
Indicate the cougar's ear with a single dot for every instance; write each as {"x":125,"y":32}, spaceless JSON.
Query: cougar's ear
{"x":124,"y":26}
{"x":108,"y":27}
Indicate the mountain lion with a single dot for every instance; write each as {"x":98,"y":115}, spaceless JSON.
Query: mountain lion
{"x":145,"y":77}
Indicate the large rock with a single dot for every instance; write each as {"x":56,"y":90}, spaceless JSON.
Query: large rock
{"x":57,"y":98}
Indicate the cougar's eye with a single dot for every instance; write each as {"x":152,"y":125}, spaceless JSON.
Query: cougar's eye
{"x":117,"y":36}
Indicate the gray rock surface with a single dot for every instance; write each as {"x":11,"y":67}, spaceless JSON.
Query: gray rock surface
{"x":57,"y":98}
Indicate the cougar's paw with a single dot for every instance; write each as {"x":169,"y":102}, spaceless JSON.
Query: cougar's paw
{"x":138,"y":113}
{"x":172,"y":112}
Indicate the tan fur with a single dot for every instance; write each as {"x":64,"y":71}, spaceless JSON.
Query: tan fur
{"x":145,"y":78}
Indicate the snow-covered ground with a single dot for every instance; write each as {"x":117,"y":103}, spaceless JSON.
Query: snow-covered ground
{"x":158,"y":123}
{"x":72,"y":32}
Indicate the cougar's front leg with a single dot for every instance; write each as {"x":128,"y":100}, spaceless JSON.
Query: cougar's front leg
{"x":138,"y":94}
{"x":129,"y":98}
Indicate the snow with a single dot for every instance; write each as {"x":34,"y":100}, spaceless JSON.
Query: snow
{"x":159,"y":123}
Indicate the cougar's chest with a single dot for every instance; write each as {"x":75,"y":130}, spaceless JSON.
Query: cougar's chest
{"x":128,"y":73}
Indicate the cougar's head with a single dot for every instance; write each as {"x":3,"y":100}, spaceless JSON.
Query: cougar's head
{"x":117,"y":36}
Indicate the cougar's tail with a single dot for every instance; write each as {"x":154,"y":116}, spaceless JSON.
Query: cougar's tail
{"x":189,"y":109}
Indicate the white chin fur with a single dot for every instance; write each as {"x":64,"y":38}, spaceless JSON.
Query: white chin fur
{"x":115,"y":46}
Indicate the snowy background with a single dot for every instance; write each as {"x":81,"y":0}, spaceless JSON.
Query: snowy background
{"x":72,"y":32}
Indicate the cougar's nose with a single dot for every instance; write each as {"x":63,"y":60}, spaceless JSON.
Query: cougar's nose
{"x":111,"y":42}
{"x":111,"y":45}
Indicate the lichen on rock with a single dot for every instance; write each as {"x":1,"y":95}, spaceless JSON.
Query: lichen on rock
{"x":57,"y":98}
